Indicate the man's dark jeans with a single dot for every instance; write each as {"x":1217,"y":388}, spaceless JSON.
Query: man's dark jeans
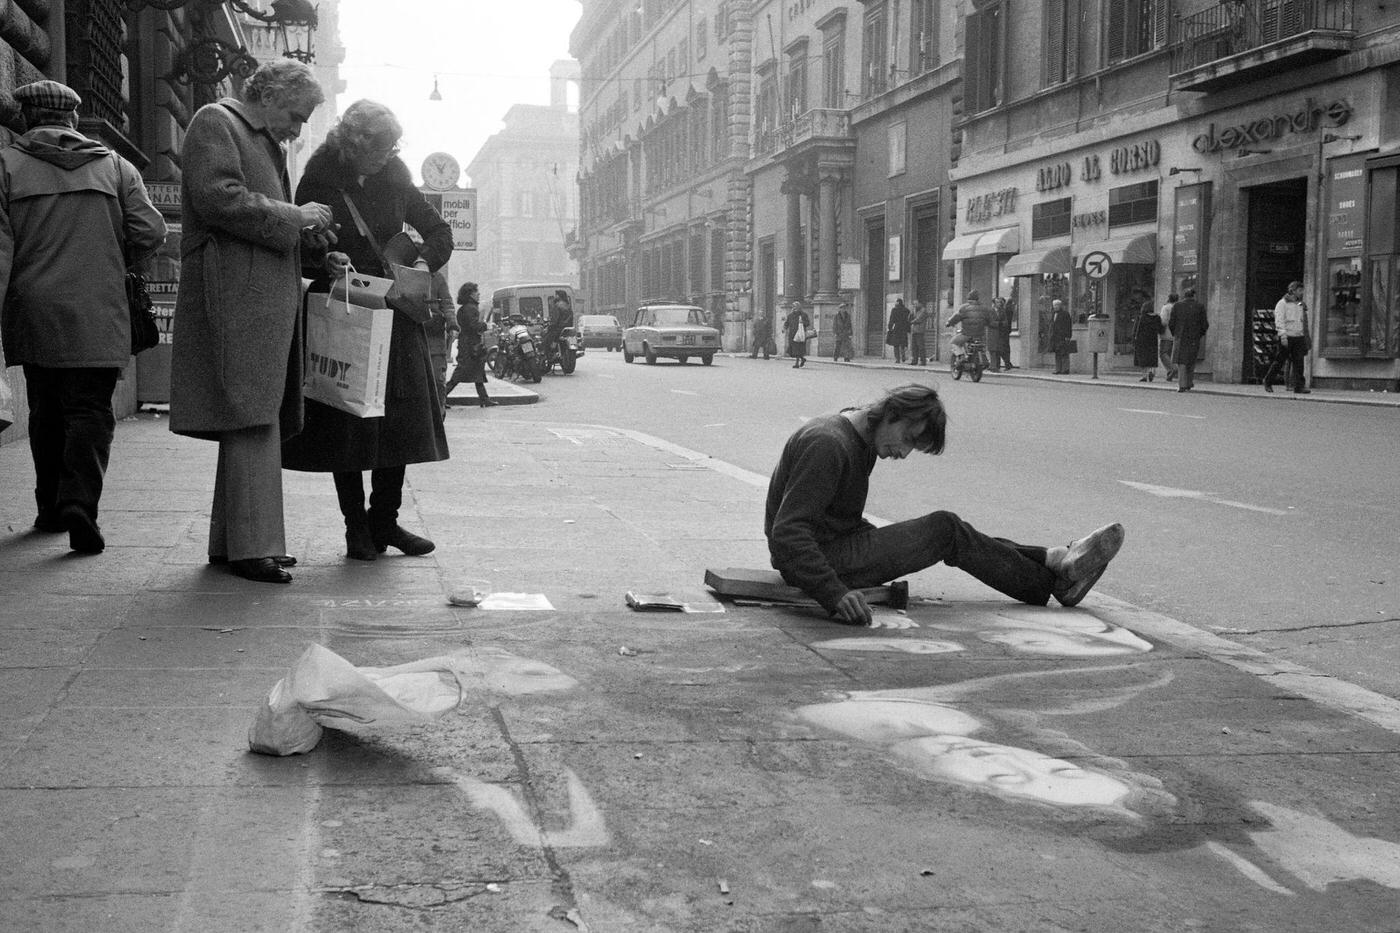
{"x":70,"y":434}
{"x":879,"y":555}
{"x":1292,"y":353}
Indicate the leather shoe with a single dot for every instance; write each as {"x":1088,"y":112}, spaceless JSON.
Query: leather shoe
{"x":411,"y":544}
{"x":1268,"y":387}
{"x":259,"y":570}
{"x":359,"y":544}
{"x":1302,"y":391}
{"x":1086,"y":561}
{"x":281,"y":560}
{"x":49,"y":522}
{"x":83,"y":533}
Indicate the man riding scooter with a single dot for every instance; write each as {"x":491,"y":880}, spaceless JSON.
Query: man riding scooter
{"x":973,"y":317}
{"x":561,"y":316}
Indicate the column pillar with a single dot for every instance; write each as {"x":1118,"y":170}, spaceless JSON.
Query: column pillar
{"x":793,"y":286}
{"x":827,"y":268}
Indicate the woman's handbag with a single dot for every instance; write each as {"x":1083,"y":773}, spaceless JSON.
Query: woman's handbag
{"x":412,"y":283}
{"x":144,"y":332}
{"x":347,"y":342}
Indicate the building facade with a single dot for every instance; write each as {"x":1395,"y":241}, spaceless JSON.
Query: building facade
{"x":527,"y":194}
{"x":1229,"y":148}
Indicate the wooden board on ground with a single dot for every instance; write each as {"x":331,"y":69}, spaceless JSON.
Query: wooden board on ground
{"x":768,"y":585}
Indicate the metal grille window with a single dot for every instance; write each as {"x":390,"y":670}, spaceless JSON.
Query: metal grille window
{"x":1132,"y":204}
{"x":1050,"y":219}
{"x":96,"y":36}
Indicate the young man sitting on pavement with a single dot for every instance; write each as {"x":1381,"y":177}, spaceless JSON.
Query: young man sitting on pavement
{"x":820,"y":541}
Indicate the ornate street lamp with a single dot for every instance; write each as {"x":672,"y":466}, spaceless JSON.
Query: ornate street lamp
{"x":210,"y":60}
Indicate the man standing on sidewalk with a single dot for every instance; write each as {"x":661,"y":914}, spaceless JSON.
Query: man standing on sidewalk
{"x":918,"y":335}
{"x":1291,"y":319}
{"x":1189,"y":326}
{"x":842,"y":329}
{"x":73,"y":215}
{"x":819,"y":540}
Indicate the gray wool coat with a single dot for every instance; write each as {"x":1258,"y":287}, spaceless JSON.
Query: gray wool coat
{"x":237,"y":349}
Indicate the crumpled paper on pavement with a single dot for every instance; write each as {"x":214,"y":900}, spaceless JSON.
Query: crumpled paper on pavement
{"x":324,"y":687}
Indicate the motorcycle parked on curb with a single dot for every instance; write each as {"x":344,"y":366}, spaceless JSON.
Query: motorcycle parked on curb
{"x":517,"y":353}
{"x":972,"y":360}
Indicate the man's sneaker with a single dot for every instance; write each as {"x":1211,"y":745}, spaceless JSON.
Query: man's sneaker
{"x":1087,"y":560}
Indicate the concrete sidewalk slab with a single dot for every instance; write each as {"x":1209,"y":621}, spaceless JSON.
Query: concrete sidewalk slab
{"x":1000,"y":767}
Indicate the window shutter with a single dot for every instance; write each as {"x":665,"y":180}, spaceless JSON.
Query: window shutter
{"x":974,"y":81}
{"x":1000,"y":91}
{"x":1055,"y":29}
{"x":1161,"y":23}
{"x":1073,"y":16}
{"x":1116,"y":33}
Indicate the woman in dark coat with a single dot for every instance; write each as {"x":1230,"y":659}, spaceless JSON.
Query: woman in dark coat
{"x":898,"y":334}
{"x":797,"y":349}
{"x":1149,"y":328}
{"x":358,"y":162}
{"x":471,"y":351}
{"x":1061,"y":334}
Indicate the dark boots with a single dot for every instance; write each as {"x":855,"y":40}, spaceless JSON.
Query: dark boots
{"x":369,"y":533}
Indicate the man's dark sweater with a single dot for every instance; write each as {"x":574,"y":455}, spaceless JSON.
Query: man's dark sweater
{"x":816,"y":495}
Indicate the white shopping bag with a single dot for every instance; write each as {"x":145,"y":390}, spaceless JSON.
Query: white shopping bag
{"x":347,"y":341}
{"x":324,"y":687}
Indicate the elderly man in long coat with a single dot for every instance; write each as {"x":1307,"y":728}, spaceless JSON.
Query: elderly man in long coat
{"x":1189,"y":325}
{"x":236,"y":366}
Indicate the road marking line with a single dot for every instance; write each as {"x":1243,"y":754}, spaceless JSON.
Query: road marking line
{"x":1169,"y":492}
{"x":684,"y":392}
{"x":1153,"y":411}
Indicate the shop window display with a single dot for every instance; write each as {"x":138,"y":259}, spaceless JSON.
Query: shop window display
{"x":1341,"y":326}
{"x":1132,"y":285}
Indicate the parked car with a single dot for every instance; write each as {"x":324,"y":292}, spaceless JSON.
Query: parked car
{"x":675,"y":331}
{"x":600,"y":330}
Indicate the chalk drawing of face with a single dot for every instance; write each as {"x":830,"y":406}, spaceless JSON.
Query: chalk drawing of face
{"x":1055,"y":633}
{"x":904,"y":645}
{"x":508,"y":673}
{"x":1015,"y":772}
{"x":884,"y":721}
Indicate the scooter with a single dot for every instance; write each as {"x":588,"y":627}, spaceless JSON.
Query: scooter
{"x":564,"y":352}
{"x":517,"y":353}
{"x":972,"y":360}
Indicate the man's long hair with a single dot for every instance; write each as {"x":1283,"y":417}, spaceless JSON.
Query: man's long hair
{"x":918,"y":404}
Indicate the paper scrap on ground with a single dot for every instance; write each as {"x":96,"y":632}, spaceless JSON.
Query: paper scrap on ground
{"x":324,"y":687}
{"x":672,"y":602}
{"x":467,"y":596}
{"x":526,"y":601}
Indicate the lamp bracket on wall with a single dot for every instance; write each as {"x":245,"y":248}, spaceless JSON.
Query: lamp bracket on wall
{"x":209,"y":61}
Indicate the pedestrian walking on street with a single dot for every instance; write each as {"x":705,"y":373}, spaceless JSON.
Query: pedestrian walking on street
{"x":73,"y":216}
{"x":996,"y":327}
{"x":236,"y":370}
{"x":918,"y":334}
{"x":1189,"y":326}
{"x":763,"y":335}
{"x":898,"y":334}
{"x":358,"y":172}
{"x":797,"y":328}
{"x":471,"y":351}
{"x":1291,"y":321}
{"x":1145,"y":335}
{"x":842,"y":330}
{"x":819,"y":540}
{"x":1167,"y":342}
{"x":1061,"y":336}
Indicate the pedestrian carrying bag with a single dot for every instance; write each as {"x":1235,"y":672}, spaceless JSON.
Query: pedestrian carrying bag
{"x":347,"y":342}
{"x":799,"y":333}
{"x":144,"y":332}
{"x":399,"y":256}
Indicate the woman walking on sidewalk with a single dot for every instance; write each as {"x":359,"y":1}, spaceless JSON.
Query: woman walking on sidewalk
{"x":1145,"y":335}
{"x":358,"y":172}
{"x":798,"y":328}
{"x":471,"y":353}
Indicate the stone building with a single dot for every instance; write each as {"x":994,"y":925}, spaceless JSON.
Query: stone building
{"x":527,"y":194}
{"x":1227,"y":147}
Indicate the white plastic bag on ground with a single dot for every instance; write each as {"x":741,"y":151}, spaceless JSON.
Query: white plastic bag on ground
{"x":324,"y":687}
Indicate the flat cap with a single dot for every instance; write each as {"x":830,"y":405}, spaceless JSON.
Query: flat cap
{"x":48,"y":94}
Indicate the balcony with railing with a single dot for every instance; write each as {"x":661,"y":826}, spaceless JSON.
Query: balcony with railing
{"x":1241,"y":41}
{"x":811,"y":127}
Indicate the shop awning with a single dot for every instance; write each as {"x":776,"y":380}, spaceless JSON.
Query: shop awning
{"x":1039,"y":262}
{"x":1140,"y":250}
{"x":988,"y":243}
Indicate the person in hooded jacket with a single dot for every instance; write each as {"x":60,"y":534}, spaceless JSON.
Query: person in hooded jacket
{"x":73,"y":216}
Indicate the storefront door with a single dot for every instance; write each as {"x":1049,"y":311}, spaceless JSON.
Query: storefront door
{"x":1277,"y":231}
{"x":927,"y":253}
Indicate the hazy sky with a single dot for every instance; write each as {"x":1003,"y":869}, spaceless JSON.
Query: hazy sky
{"x":487,"y":55}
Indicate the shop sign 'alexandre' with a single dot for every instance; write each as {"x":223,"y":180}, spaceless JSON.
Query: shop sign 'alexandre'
{"x":1263,"y":129}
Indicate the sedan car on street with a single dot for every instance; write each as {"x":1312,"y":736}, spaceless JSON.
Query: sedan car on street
{"x":600,"y":330}
{"x":676,"y":331}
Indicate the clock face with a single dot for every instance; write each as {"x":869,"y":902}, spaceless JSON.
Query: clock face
{"x":441,"y":171}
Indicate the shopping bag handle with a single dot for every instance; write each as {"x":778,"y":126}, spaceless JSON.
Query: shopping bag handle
{"x":349,"y":267}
